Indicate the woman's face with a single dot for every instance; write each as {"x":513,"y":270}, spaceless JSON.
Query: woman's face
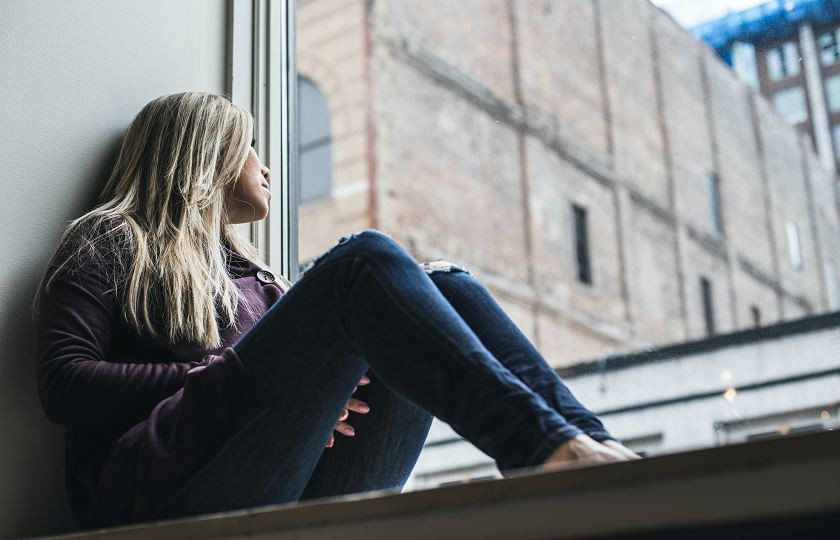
{"x":249,"y":200}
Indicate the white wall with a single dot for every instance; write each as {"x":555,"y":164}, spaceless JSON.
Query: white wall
{"x":72,"y":75}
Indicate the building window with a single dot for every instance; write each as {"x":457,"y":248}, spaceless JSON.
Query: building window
{"x":314,"y":143}
{"x":744,"y":64}
{"x":756,"y":315}
{"x":783,"y":62}
{"x":713,"y":186}
{"x":831,"y":285}
{"x":584,"y":264}
{"x":832,"y":93}
{"x":708,"y":306}
{"x":836,"y":130}
{"x":791,"y":105}
{"x":793,"y":245}
{"x":827,"y":44}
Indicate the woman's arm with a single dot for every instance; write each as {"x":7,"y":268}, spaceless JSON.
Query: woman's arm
{"x":76,"y":383}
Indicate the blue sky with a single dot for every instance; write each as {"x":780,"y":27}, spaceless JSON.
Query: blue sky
{"x":693,"y":12}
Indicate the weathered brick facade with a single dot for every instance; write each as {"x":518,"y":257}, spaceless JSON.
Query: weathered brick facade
{"x":468,"y":129}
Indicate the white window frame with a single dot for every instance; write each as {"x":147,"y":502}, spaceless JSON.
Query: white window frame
{"x":262,"y":78}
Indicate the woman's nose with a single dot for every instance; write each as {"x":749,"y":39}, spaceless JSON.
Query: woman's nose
{"x":266,"y":173}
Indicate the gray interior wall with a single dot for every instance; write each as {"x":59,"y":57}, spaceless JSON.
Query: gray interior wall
{"x":72,"y":75}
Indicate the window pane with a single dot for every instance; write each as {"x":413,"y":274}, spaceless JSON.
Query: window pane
{"x":744,"y":64}
{"x":790,"y":104}
{"x":584,"y":270}
{"x":315,"y":167}
{"x":541,"y":143}
{"x":828,"y":48}
{"x":708,"y":306}
{"x":775,"y":66}
{"x":714,"y":203}
{"x":832,"y":285}
{"x":836,"y":133}
{"x":314,"y":113}
{"x":791,"y":59}
{"x":793,"y":245}
{"x":832,"y":93}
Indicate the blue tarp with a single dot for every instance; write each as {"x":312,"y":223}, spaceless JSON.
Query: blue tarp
{"x":768,"y":22}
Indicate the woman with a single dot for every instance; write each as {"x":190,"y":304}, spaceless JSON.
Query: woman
{"x":190,"y":381}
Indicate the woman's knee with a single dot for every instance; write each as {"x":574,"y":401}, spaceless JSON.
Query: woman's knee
{"x":370,"y":245}
{"x":376,"y":246}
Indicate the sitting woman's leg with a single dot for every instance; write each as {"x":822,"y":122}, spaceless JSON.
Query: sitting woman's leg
{"x":383,"y":452}
{"x":507,"y":343}
{"x":366,"y":305}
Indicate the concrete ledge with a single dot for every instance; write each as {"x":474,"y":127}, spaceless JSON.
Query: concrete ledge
{"x":786,"y":478}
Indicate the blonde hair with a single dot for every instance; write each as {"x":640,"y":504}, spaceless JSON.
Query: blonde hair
{"x":162,"y":218}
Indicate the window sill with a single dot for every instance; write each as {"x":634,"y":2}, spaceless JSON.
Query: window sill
{"x":783,"y":479}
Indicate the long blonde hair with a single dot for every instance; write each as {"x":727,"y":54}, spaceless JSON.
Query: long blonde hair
{"x":163,"y":213}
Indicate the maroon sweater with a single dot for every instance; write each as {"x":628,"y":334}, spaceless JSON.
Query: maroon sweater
{"x":143,"y":417}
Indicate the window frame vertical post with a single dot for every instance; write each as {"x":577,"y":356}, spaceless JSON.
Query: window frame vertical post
{"x":261,"y":78}
{"x":282,"y":227}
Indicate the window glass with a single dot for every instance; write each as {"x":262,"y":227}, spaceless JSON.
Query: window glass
{"x":794,"y":248}
{"x":584,"y":269}
{"x":744,"y":63}
{"x":832,"y":93}
{"x":543,"y":143}
{"x":708,"y":305}
{"x":775,"y":65}
{"x":791,"y":105}
{"x":790,"y":53}
{"x":314,"y":142}
{"x":783,"y":61}
{"x":755,"y":312}
{"x":714,"y":203}
{"x":832,"y":285}
{"x":827,"y":45}
{"x":836,"y":132}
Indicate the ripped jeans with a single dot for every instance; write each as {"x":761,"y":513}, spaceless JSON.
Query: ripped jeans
{"x":432,"y":342}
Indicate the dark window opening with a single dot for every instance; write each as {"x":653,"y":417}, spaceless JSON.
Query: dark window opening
{"x":708,"y":307}
{"x":584,"y":265}
{"x":714,"y":202}
{"x":756,"y":316}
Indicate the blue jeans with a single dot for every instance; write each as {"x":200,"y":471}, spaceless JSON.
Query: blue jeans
{"x":432,"y":344}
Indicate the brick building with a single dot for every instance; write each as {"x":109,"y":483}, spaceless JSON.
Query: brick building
{"x":598,"y":168}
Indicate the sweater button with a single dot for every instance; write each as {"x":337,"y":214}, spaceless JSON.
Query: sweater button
{"x":265,"y":276}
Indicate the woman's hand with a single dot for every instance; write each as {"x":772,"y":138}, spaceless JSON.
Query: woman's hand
{"x":353,"y":405}
{"x":621,"y":449}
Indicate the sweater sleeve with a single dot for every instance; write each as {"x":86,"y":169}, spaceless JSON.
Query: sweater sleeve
{"x":76,"y":382}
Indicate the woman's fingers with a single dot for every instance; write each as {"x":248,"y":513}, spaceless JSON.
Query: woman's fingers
{"x":363,"y":381}
{"x":621,"y":449}
{"x":345,"y":429}
{"x":354,"y":405}
{"x":358,"y":406}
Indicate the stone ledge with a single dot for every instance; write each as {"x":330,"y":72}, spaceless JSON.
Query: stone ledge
{"x":786,"y":478}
